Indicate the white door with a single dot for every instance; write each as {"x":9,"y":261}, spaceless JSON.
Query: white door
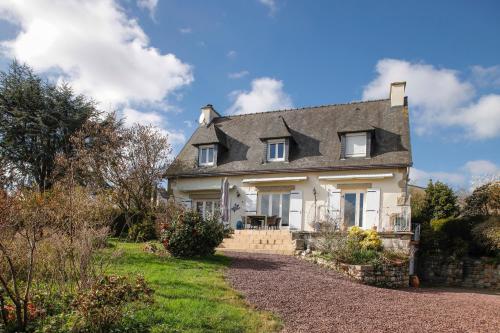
{"x":353,"y":208}
{"x":334,"y":205}
{"x":372,"y":208}
{"x":295,"y":210}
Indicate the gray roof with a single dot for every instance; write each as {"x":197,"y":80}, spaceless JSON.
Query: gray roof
{"x":315,"y":145}
{"x":207,"y":135}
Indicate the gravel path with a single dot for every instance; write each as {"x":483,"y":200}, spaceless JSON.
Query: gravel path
{"x":313,"y":299}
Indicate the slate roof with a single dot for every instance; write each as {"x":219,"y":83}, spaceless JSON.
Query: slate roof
{"x":315,"y":145}
{"x":207,"y":135}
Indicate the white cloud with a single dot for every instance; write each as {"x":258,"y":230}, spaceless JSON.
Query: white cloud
{"x":271,"y":6}
{"x":469,"y":175}
{"x":231,"y":54}
{"x":95,"y":47}
{"x":486,"y":76}
{"x":266,"y":94}
{"x":150,"y":5}
{"x":188,"y":123}
{"x":438,"y":97}
{"x":132,"y":116}
{"x":238,"y":75}
{"x":185,"y":31}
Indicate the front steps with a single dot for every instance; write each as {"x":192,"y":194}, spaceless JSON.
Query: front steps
{"x":263,"y":241}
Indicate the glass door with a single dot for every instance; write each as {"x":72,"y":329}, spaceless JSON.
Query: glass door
{"x":353,"y":208}
{"x":276,"y":204}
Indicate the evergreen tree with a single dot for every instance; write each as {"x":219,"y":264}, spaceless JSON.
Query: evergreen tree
{"x":440,"y":201}
{"x":37,"y":119}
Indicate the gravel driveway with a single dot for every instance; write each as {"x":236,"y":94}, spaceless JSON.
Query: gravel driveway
{"x":313,"y":299}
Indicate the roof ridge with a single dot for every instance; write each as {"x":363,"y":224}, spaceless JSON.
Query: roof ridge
{"x":306,"y":107}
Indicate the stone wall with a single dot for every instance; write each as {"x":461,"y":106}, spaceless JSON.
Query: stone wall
{"x":464,"y":272}
{"x":387,"y":275}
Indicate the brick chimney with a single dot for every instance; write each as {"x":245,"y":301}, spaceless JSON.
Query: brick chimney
{"x":398,"y":93}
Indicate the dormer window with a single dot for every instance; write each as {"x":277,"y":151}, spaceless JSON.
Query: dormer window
{"x":276,"y":150}
{"x":355,"y":144}
{"x":206,"y":155}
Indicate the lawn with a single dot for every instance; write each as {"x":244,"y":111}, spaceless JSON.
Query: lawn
{"x":191,"y":295}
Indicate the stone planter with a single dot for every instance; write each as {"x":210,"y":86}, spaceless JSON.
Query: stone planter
{"x":393,"y":275}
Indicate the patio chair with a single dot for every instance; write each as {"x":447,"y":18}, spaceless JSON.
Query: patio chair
{"x":273,"y":222}
{"x":254,"y":222}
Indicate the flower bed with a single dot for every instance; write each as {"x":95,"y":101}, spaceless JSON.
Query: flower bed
{"x":388,"y":275}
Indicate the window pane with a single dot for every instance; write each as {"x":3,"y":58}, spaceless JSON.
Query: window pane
{"x":208,"y":208}
{"x":264,"y":204}
{"x":199,"y":207}
{"x":285,"y":208}
{"x":272,"y":150}
{"x":281,"y":149}
{"x":361,"y":197}
{"x":203,"y":158}
{"x":275,"y":205}
{"x":350,"y":209}
{"x":356,"y":145}
{"x":210,"y":155}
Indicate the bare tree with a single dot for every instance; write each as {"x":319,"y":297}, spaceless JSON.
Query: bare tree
{"x":130,"y":162}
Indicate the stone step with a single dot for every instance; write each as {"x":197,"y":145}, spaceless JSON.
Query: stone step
{"x":262,"y":241}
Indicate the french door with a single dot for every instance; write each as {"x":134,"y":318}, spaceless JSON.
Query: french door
{"x":207,"y":208}
{"x":276,"y":204}
{"x":354,"y":202}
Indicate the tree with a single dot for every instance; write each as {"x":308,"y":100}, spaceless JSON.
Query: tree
{"x":484,"y":201}
{"x":130,"y":162}
{"x":440,"y":201}
{"x":37,"y":120}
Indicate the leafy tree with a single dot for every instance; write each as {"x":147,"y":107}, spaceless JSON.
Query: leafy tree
{"x":37,"y":119}
{"x":440,"y":201}
{"x":484,"y":201}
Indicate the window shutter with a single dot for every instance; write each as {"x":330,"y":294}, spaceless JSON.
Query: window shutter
{"x":295,"y":217}
{"x":368,"y":144}
{"x":334,"y":205}
{"x":342,"y":146}
{"x":251,"y":203}
{"x":372,"y":208}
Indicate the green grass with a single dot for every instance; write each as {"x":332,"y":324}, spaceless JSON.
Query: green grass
{"x":190,"y":294}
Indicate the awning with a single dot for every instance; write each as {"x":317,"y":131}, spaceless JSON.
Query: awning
{"x":274,"y":180}
{"x":199,"y":188}
{"x":358,"y":176}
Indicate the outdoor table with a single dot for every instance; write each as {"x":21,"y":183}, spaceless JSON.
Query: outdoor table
{"x":249,"y":218}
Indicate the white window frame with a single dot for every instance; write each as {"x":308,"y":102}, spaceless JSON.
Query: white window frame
{"x":205,"y":203}
{"x":353,"y":135}
{"x":359,"y":209}
{"x":200,"y":154}
{"x":270,"y":203}
{"x":275,"y":158}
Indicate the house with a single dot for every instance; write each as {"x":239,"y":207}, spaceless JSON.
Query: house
{"x":343,"y":163}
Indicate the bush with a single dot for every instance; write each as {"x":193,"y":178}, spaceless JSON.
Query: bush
{"x":188,"y":234}
{"x":101,"y":308}
{"x":488,"y":234}
{"x":356,"y":247}
{"x":142,"y":232}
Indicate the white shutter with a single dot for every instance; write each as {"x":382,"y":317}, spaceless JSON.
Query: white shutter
{"x":251,"y":203}
{"x":372,"y":208}
{"x":334,"y":205}
{"x":187,"y":203}
{"x":295,"y":219}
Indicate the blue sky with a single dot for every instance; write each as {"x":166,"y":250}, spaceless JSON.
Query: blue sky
{"x":159,"y":61}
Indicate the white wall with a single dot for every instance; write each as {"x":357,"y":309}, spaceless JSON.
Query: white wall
{"x":389,"y":188}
